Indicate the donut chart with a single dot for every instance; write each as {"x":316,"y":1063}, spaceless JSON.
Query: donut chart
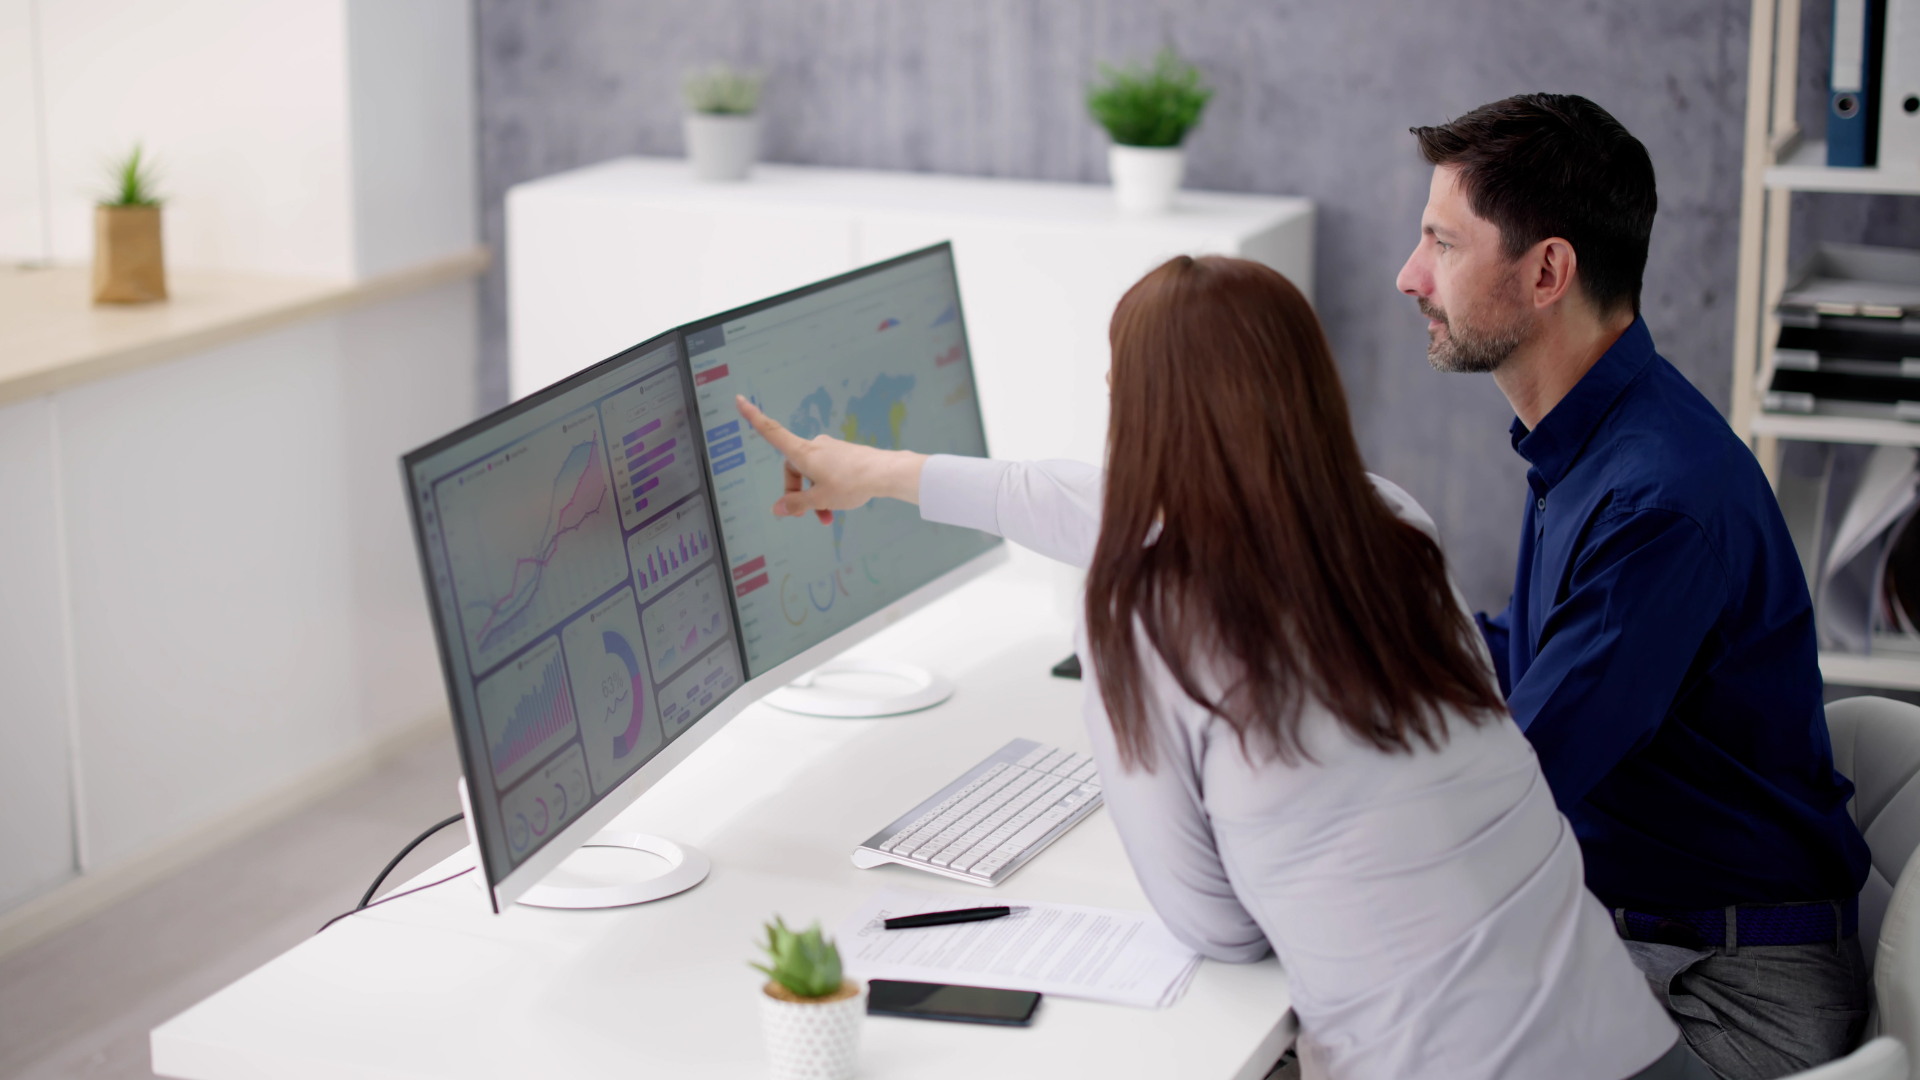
{"x":613,"y":695}
{"x":619,"y":648}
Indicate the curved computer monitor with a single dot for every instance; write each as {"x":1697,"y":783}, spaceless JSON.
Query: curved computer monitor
{"x":608,"y":584}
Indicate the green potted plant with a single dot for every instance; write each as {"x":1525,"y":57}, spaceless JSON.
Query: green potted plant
{"x":1148,"y":112}
{"x":128,"y":264}
{"x":722,"y":130}
{"x":811,"y":1014}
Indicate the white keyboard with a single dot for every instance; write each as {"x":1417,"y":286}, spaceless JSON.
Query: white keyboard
{"x":987,"y":824}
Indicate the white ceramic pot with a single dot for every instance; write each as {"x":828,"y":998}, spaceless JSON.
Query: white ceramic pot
{"x":721,"y":147}
{"x":1145,"y":177}
{"x":809,"y":1040}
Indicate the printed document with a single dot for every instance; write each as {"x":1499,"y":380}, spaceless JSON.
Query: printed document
{"x":1124,"y":957}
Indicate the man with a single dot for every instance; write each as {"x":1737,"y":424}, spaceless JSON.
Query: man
{"x":1658,"y":649}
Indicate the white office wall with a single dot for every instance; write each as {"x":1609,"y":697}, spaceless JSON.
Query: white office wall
{"x":21,"y":237}
{"x":242,"y":103}
{"x":410,"y":69}
{"x":208,"y":556}
{"x":36,"y":823}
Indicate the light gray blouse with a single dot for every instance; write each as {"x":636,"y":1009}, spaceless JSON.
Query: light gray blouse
{"x":1429,"y":907}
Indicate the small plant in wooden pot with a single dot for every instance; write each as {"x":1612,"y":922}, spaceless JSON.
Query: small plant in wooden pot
{"x":1148,"y":112}
{"x":128,"y":266}
{"x":811,"y":1014}
{"x":723,"y":134}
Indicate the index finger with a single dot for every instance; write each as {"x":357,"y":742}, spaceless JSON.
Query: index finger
{"x":783,"y":440}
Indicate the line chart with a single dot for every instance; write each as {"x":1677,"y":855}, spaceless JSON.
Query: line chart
{"x":531,"y":535}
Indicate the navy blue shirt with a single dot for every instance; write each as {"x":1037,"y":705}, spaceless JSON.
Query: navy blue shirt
{"x":1659,"y":652}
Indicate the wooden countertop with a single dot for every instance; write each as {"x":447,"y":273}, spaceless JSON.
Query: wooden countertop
{"x":53,"y":336}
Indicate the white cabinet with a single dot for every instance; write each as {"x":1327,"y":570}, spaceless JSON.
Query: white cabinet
{"x":212,"y":609}
{"x":604,"y":257}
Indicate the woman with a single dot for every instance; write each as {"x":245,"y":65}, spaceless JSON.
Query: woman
{"x":1297,"y":726}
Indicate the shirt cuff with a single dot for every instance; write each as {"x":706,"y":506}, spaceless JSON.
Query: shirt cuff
{"x":962,"y":491}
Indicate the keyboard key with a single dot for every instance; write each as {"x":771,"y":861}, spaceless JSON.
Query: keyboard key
{"x":1085,"y":772}
{"x":985,"y":867}
{"x":1048,"y":763}
{"x":1038,"y":828}
{"x":1033,"y":756}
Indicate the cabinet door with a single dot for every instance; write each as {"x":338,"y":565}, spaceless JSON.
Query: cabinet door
{"x":36,"y":816}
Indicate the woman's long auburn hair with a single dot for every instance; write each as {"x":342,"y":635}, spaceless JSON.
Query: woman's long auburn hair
{"x":1242,"y":536}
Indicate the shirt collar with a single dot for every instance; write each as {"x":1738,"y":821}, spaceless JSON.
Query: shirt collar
{"x":1555,"y":445}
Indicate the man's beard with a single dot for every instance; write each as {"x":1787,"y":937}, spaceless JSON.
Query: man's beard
{"x":1468,"y":348}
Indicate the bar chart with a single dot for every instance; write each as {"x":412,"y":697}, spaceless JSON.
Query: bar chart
{"x":670,"y":547}
{"x":685,"y":622}
{"x":526,"y":710}
{"x":654,"y":460}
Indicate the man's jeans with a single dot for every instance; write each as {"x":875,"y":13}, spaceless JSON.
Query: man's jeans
{"x":1761,"y":1011}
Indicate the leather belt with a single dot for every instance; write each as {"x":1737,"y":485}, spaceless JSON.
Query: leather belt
{"x":1744,"y":924}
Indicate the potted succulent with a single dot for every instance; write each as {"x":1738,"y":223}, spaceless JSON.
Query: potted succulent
{"x":128,"y":267}
{"x":811,"y":1015}
{"x":722,"y":130}
{"x":1148,"y":112}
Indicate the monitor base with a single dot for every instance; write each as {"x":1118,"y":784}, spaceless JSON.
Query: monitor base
{"x":581,"y":887}
{"x":852,"y":688}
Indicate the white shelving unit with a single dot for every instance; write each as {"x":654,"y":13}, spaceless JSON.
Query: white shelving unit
{"x":1843,"y":429}
{"x":1805,"y":169}
{"x":1777,"y":163}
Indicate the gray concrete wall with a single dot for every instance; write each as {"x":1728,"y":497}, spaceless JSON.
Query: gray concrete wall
{"x":1314,"y":99}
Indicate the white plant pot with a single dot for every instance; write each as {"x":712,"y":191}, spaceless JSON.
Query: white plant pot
{"x":721,"y":147}
{"x":809,"y":1040}
{"x":1145,"y":177}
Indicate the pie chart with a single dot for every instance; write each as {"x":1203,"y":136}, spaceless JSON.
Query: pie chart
{"x":620,"y":649}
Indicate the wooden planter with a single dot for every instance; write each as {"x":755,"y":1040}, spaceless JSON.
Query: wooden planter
{"x":127,"y":264}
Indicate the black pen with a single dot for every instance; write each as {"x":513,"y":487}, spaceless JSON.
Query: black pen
{"x":943,"y":918}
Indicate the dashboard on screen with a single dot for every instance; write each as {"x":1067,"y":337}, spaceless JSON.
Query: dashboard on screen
{"x":879,"y":358}
{"x":582,"y":599}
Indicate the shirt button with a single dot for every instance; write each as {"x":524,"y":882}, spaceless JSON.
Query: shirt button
{"x":1540,"y":505}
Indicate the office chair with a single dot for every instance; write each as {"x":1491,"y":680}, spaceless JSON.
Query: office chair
{"x":1876,"y":744}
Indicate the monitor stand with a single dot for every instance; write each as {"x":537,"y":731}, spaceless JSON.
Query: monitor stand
{"x":854,"y":688}
{"x":611,"y":870}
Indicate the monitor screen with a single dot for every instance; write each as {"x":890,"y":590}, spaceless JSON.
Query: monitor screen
{"x":580,"y":597}
{"x":877,"y":357}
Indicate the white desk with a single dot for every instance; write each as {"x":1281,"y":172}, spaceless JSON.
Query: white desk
{"x":434,"y":986}
{"x":601,"y":258}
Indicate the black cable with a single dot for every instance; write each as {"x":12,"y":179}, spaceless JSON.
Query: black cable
{"x":404,"y":852}
{"x":395,"y":896}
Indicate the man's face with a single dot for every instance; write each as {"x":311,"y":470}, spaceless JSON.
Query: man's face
{"x":1472,"y":294}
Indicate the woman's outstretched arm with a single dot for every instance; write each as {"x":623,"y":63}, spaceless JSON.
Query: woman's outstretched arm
{"x":1052,"y":507}
{"x":837,"y":475}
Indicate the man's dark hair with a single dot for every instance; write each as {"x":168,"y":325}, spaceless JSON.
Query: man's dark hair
{"x":1541,"y":165}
